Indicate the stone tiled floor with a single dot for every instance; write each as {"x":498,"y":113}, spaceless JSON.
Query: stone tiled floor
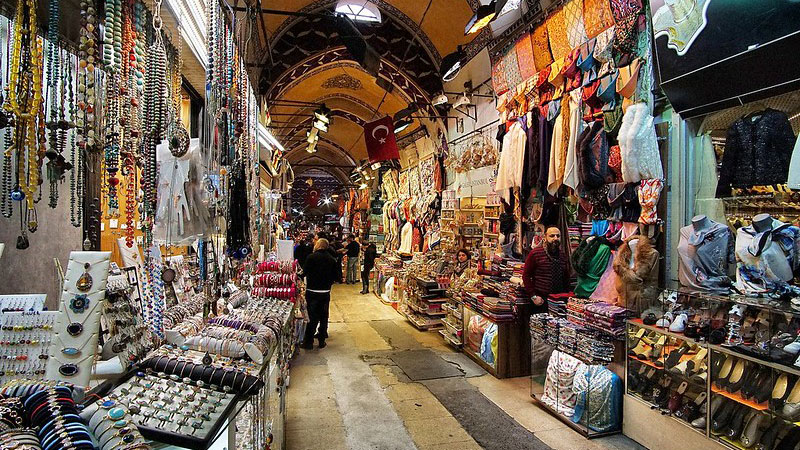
{"x":350,"y":395}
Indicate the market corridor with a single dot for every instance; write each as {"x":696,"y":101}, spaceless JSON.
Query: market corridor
{"x":354,"y":394}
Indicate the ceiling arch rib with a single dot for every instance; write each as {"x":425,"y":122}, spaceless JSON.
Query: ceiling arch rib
{"x":340,"y":57}
{"x":343,"y":156}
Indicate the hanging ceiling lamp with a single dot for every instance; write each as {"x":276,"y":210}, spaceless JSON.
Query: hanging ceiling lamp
{"x":484,"y":15}
{"x":322,"y":118}
{"x":402,"y":119}
{"x":451,"y":64}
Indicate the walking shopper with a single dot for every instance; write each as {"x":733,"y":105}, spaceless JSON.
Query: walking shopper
{"x":320,"y":273}
{"x":370,"y":253}
{"x":338,"y":251}
{"x":353,"y":251}
{"x":303,"y":249}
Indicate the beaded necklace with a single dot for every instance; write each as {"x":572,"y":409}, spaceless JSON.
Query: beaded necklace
{"x":112,"y":36}
{"x":86,"y":77}
{"x":154,"y":115}
{"x":6,"y":206}
{"x":25,"y":99}
{"x":76,"y":185}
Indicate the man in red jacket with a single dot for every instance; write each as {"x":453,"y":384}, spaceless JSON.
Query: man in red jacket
{"x":546,"y":271}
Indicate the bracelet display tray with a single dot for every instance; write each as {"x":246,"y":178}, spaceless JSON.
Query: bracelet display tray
{"x":202,"y":441}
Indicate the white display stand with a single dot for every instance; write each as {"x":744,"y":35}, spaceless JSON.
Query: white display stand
{"x":2,"y":247}
{"x":131,"y":256}
{"x":82,"y":266}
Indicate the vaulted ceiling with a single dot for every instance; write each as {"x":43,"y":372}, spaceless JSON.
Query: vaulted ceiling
{"x":307,"y":62}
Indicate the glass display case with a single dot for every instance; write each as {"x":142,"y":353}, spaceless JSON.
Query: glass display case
{"x":728,"y":372}
{"x":572,"y":382}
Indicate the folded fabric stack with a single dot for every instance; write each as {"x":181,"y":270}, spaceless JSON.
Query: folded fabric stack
{"x":496,"y":309}
{"x":568,"y":337}
{"x":557,"y":307}
{"x":607,"y":318}
{"x":576,"y":310}
{"x":540,"y":326}
{"x":594,"y":347}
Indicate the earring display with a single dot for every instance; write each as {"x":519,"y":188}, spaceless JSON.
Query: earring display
{"x":77,"y":327}
{"x":22,"y":302}
{"x":25,"y":339}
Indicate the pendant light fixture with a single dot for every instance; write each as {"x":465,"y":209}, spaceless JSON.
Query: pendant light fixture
{"x":484,"y":15}
{"x":451,"y":64}
{"x":402,"y":119}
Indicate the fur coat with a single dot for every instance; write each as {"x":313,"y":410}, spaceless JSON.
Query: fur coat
{"x":638,"y":145}
{"x":637,"y":273}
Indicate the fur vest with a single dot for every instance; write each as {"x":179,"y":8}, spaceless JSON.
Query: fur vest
{"x":637,"y":273}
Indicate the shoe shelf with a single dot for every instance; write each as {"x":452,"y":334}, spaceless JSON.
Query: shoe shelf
{"x":663,"y":330}
{"x":777,"y":366}
{"x":739,"y":399}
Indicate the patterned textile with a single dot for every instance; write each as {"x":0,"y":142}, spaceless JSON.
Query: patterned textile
{"x":573,"y":18}
{"x":499,"y":78}
{"x":557,"y":33}
{"x":624,"y":8}
{"x":511,"y":69}
{"x":649,"y":192}
{"x":597,"y":16}
{"x":525,"y":59}
{"x":541,"y":47}
{"x":603,"y":45}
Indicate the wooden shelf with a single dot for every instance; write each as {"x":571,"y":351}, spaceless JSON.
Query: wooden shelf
{"x":738,"y":398}
{"x":490,"y":218}
{"x":665,"y":331}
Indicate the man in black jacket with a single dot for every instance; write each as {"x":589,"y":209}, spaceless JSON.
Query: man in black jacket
{"x":303,"y":249}
{"x":370,"y":253}
{"x":320,"y":272}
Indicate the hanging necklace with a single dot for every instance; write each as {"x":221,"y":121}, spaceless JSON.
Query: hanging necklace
{"x":72,"y":351}
{"x":154,"y":115}
{"x":25,"y":99}
{"x":76,"y":184}
{"x":86,"y":77}
{"x":75,"y":328}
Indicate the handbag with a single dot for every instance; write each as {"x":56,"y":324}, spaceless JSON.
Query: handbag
{"x":607,"y":90}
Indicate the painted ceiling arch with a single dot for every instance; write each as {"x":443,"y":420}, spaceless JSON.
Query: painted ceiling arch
{"x":436,"y":34}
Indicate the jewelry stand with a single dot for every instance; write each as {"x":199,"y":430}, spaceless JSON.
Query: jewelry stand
{"x":131,"y":256}
{"x":74,"y":346}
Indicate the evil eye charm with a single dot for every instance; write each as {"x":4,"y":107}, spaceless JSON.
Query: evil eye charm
{"x":17,"y":195}
{"x":79,"y":303}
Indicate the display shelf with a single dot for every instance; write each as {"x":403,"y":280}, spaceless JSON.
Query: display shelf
{"x":665,"y":331}
{"x":491,"y":218}
{"x":456,"y":329}
{"x":449,"y":339}
{"x":738,"y":398}
{"x":774,"y":365}
{"x":636,"y":397}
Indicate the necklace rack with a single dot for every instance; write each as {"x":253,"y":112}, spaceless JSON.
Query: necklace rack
{"x":76,"y":184}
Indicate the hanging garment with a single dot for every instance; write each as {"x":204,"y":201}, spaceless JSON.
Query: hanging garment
{"x":794,"y":167}
{"x":758,"y":151}
{"x":557,"y":34}
{"x":606,"y":290}
{"x":638,"y":273}
{"x":541,"y":47}
{"x":573,"y":19}
{"x":558,"y":149}
{"x":530,"y":170}
{"x":571,"y":175}
{"x":489,"y":344}
{"x":649,"y":193}
{"x":624,"y":201}
{"x":546,"y":130}
{"x":768,"y":259}
{"x":593,"y":153}
{"x":639,"y":146}
{"x":406,"y":238}
{"x":524,"y":50}
{"x":509,"y":170}
{"x":597,"y":16}
{"x":704,"y":258}
{"x":589,"y":261}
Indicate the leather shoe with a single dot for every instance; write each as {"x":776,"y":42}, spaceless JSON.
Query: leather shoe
{"x":723,"y":417}
{"x":737,"y":422}
{"x":790,"y":441}
{"x":791,"y":407}
{"x":738,"y":376}
{"x":752,"y":430}
{"x":769,"y":437}
{"x":783,"y":386}
{"x":725,"y":372}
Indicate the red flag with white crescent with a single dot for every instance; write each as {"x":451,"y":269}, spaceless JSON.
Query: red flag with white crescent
{"x":380,"y":139}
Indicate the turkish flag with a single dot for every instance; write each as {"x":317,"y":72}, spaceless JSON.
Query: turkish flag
{"x":380,"y":140}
